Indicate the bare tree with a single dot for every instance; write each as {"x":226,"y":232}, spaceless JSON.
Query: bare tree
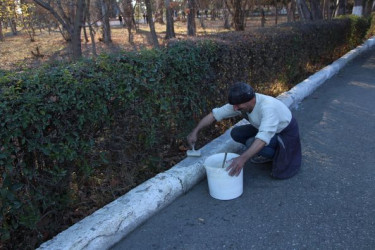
{"x":276,"y":12}
{"x":1,"y":31}
{"x":238,"y":16}
{"x":92,"y":32}
{"x":159,"y":12}
{"x":316,"y":10}
{"x":4,"y":14}
{"x":237,"y":9}
{"x":327,"y":9}
{"x":303,"y":10}
{"x":151,"y":24}
{"x":263,"y":18}
{"x":291,"y":9}
{"x":128,"y":16}
{"x":340,"y":7}
{"x":306,"y":13}
{"x":13,"y":16}
{"x":70,"y":15}
{"x":169,"y":18}
{"x":369,"y":7}
{"x":226,"y":17}
{"x":27,"y":15}
{"x":191,"y":27}
{"x":106,"y":27}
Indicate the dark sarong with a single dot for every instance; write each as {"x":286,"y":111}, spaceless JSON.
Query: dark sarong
{"x":288,"y":157}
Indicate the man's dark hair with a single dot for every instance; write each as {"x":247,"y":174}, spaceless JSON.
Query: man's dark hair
{"x":240,"y":92}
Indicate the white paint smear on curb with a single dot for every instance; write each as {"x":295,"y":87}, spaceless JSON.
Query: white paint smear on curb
{"x":114,"y":221}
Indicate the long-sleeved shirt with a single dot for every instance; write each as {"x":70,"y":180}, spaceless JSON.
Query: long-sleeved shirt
{"x":269,"y":116}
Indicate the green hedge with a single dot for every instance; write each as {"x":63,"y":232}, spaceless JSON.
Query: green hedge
{"x":359,"y":26}
{"x":285,"y":54}
{"x":371,"y":30}
{"x":60,"y":123}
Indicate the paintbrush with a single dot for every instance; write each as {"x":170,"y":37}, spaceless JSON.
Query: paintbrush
{"x":193,"y":152}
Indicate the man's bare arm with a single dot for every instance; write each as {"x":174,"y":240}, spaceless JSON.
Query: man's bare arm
{"x":206,"y":121}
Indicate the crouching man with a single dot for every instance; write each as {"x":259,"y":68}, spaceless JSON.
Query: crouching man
{"x":272,"y":134}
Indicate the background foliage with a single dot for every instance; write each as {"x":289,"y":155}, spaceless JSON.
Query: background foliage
{"x":64,"y":125}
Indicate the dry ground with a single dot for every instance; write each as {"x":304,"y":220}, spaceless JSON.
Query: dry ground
{"x":16,"y":51}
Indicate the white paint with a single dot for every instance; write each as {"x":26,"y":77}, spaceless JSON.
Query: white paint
{"x":221,"y":185}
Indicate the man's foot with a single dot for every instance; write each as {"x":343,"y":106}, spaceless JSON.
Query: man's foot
{"x":258,"y":159}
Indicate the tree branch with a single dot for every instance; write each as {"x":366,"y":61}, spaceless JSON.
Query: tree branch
{"x":48,"y":7}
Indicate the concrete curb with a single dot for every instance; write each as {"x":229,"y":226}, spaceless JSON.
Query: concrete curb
{"x":114,"y":221}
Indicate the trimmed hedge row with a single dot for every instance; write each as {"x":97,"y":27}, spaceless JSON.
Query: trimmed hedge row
{"x":371,"y":30}
{"x":60,"y":123}
{"x":288,"y":53}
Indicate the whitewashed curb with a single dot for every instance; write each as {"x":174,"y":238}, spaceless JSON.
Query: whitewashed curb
{"x":114,"y":221}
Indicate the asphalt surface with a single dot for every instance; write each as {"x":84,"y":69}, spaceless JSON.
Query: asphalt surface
{"x":329,"y":204}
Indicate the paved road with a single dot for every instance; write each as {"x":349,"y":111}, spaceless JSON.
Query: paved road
{"x":330,"y":204}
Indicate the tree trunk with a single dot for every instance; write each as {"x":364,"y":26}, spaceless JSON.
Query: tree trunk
{"x":316,"y":10}
{"x":239,"y":16}
{"x":263,"y":18}
{"x":303,"y":11}
{"x":326,"y":9}
{"x":213,"y":14}
{"x":151,"y":24}
{"x":201,"y":21}
{"x":106,"y":28}
{"x":340,"y":8}
{"x":1,"y":31}
{"x":85,"y":34}
{"x":276,"y":12}
{"x":76,"y":32}
{"x":368,"y":8}
{"x":128,"y":18}
{"x":191,"y":27}
{"x":28,"y":26}
{"x":88,"y":17}
{"x":226,"y":19}
{"x":13,"y":26}
{"x":13,"y":21}
{"x":160,"y":12}
{"x":291,"y":9}
{"x":71,"y":28}
{"x":169,"y":18}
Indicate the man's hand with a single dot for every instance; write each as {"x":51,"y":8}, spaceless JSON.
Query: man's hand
{"x":236,"y":166}
{"x":238,"y":163}
{"x":192,"y":138}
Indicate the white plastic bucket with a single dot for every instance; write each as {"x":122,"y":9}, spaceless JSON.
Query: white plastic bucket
{"x":221,"y":185}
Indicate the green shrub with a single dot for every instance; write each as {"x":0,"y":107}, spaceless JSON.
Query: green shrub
{"x":284,"y":54}
{"x":358,"y":29}
{"x":371,"y":30}
{"x":48,"y":123}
